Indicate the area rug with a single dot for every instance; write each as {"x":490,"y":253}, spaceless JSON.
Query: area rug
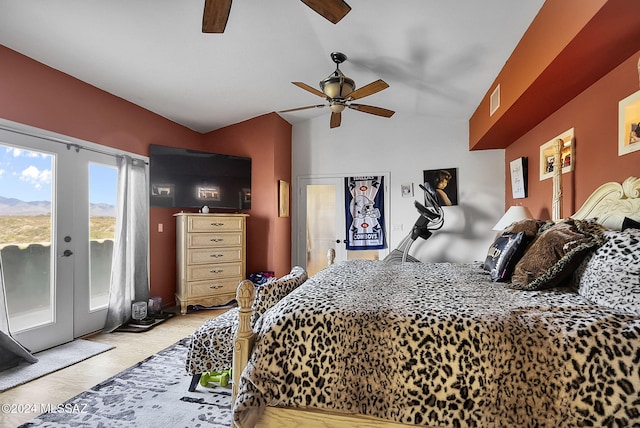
{"x":50,"y":361}
{"x":154,"y":392}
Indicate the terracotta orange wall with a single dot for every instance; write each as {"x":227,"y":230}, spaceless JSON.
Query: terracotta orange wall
{"x":36,"y":95}
{"x":594,"y":116}
{"x":267,"y":140}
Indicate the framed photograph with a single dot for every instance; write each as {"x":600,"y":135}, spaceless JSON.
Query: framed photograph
{"x":629,"y":124}
{"x":445,"y":183}
{"x":283,"y":200}
{"x":547,"y":155}
{"x":518,"y":169}
{"x":407,"y":190}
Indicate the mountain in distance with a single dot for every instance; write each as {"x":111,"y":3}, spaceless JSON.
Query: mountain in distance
{"x":16,"y":207}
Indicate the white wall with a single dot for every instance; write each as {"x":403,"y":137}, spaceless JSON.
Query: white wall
{"x":405,"y":146}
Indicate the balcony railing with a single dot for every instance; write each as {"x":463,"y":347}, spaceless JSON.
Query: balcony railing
{"x":28,"y":282}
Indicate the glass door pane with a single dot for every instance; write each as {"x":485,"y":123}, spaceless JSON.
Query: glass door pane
{"x":26,"y":235}
{"x":103,"y":182}
{"x":94,"y":232}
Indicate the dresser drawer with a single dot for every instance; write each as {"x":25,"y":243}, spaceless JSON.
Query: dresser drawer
{"x":212,"y":224}
{"x":211,"y":287}
{"x":222,"y":239}
{"x":214,"y":255}
{"x":214,"y":271}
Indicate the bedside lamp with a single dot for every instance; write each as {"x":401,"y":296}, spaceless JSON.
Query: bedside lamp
{"x":513,"y":214}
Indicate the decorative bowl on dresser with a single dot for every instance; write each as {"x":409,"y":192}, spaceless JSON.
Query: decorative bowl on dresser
{"x":210,"y":257}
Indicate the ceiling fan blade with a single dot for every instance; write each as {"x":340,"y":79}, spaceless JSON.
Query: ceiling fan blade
{"x":332,"y":10}
{"x":215,"y":16}
{"x":378,"y":111}
{"x":301,"y":108}
{"x":336,"y":119}
{"x":310,"y":89}
{"x":369,"y":89}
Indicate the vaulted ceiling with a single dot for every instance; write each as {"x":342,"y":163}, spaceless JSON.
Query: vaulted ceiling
{"x":439,"y":57}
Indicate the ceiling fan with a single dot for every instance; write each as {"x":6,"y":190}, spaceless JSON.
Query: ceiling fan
{"x":216,"y":12}
{"x":340,"y":90}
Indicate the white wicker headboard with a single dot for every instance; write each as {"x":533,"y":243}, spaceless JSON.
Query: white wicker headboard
{"x":612,"y":202}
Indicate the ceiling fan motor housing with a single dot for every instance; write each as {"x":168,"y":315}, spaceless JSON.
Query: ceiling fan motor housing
{"x":337,"y":85}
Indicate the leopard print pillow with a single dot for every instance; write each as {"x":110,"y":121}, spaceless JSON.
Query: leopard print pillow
{"x":611,"y":276}
{"x":272,"y":292}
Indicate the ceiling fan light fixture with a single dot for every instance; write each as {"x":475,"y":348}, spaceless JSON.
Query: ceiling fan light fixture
{"x":337,"y":85}
{"x":337,"y":107}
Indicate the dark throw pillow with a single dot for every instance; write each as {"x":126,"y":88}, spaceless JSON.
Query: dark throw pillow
{"x":629,"y":223}
{"x":556,"y":253}
{"x":503,"y":255}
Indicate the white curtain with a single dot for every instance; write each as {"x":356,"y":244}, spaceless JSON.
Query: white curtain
{"x":11,"y":352}
{"x":129,"y":272}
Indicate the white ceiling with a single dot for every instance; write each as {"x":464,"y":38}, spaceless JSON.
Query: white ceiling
{"x":438,"y":56}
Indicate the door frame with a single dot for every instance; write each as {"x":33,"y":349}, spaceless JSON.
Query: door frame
{"x":300,"y":221}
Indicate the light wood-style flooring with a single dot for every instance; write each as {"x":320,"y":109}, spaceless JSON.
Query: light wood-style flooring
{"x":130,"y":348}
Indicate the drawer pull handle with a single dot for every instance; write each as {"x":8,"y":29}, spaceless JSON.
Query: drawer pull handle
{"x":215,"y":287}
{"x":217,"y":224}
{"x":216,"y":271}
{"x":217,"y":239}
{"x":216,"y":255}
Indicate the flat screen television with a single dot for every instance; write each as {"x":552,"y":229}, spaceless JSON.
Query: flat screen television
{"x":183,"y":178}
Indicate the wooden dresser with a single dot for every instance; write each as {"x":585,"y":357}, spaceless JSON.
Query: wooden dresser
{"x":211,"y":258}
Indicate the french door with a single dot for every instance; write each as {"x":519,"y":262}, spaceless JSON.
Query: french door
{"x":322,"y":223}
{"x":57,"y":222}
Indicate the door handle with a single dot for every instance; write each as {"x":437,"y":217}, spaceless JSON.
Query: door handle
{"x":341,"y":242}
{"x":67,"y":253}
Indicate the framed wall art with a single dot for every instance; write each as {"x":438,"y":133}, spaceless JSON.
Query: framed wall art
{"x":444,"y":182}
{"x":283,"y":202}
{"x":406,"y":190}
{"x":547,"y":152}
{"x":629,"y":124}
{"x":518,"y":168}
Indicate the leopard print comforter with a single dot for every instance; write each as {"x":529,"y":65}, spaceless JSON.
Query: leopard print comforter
{"x":441,"y":345}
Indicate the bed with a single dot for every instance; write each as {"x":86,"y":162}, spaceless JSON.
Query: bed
{"x":370,"y":343}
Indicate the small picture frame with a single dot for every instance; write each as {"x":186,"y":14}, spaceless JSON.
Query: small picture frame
{"x":547,"y":155}
{"x":518,"y":168}
{"x":407,"y":190}
{"x":629,"y":124}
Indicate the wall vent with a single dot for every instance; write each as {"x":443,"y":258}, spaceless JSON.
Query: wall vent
{"x":494,"y":101}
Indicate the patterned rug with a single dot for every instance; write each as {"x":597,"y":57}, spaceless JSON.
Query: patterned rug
{"x":154,"y":392}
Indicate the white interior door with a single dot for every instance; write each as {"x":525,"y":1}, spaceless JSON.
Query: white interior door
{"x":46,"y":232}
{"x":321,"y":223}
